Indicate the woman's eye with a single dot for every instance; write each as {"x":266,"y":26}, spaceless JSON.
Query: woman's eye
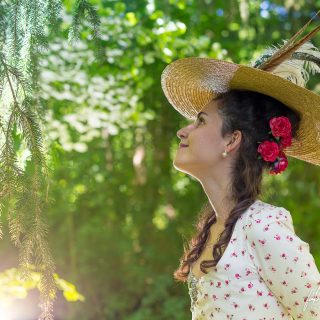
{"x":200,"y":120}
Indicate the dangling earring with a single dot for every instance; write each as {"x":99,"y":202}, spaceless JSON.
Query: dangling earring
{"x":225,"y":153}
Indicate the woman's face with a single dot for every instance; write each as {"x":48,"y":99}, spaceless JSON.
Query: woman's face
{"x":205,"y":143}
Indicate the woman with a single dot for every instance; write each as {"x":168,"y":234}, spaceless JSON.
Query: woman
{"x":245,"y":121}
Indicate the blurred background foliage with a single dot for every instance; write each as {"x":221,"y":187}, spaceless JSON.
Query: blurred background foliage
{"x":121,"y":212}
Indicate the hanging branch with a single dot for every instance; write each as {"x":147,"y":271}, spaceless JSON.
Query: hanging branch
{"x":25,"y":30}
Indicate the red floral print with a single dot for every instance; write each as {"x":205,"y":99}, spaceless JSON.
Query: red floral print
{"x":267,"y":264}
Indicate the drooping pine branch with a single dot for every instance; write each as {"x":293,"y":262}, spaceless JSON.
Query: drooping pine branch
{"x":84,"y":11}
{"x":27,"y":227}
{"x":25,"y":32}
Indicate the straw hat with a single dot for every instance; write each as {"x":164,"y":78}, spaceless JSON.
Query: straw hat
{"x":191,"y":83}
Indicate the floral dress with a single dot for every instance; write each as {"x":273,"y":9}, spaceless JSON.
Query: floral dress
{"x":266,"y":272}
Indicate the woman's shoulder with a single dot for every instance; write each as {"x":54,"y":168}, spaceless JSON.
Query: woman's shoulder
{"x":262,"y":213}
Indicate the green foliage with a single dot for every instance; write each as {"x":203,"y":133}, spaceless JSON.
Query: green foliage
{"x":14,"y":287}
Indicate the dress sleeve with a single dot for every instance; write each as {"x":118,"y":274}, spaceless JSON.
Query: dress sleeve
{"x":284,"y":262}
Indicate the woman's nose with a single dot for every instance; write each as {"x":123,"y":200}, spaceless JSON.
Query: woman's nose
{"x":182,"y":133}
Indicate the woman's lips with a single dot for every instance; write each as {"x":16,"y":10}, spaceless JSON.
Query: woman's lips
{"x":181,"y":145}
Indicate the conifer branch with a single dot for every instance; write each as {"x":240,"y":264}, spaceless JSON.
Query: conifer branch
{"x":25,"y":192}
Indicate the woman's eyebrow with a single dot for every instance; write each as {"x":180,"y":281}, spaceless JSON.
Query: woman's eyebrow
{"x":199,"y":114}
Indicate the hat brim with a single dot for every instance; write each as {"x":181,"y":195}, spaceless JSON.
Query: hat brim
{"x":191,"y":83}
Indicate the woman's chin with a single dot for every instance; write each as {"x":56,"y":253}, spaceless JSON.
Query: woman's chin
{"x":181,"y":170}
{"x":180,"y":166}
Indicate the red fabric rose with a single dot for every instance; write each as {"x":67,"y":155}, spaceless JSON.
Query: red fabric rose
{"x":280,"y":165}
{"x":269,"y":150}
{"x":285,"y":142}
{"x":280,"y":126}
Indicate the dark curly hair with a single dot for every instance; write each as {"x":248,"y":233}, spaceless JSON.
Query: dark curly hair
{"x":250,"y":113}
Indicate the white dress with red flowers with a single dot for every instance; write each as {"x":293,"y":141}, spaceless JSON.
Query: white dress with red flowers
{"x":266,"y":272}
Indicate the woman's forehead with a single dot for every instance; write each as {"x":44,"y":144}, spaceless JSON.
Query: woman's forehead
{"x":211,"y":106}
{"x":211,"y":109}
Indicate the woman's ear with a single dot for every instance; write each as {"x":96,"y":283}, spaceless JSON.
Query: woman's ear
{"x":235,"y":141}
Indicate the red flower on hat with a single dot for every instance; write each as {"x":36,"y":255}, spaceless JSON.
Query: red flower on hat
{"x":280,"y":126}
{"x":272,"y":150}
{"x":285,"y":142}
{"x":280,"y":165}
{"x":269,"y":150}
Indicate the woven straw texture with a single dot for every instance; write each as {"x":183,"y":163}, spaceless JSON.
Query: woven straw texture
{"x":190,"y":83}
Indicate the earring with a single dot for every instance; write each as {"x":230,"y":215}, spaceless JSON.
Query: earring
{"x":225,"y":153}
